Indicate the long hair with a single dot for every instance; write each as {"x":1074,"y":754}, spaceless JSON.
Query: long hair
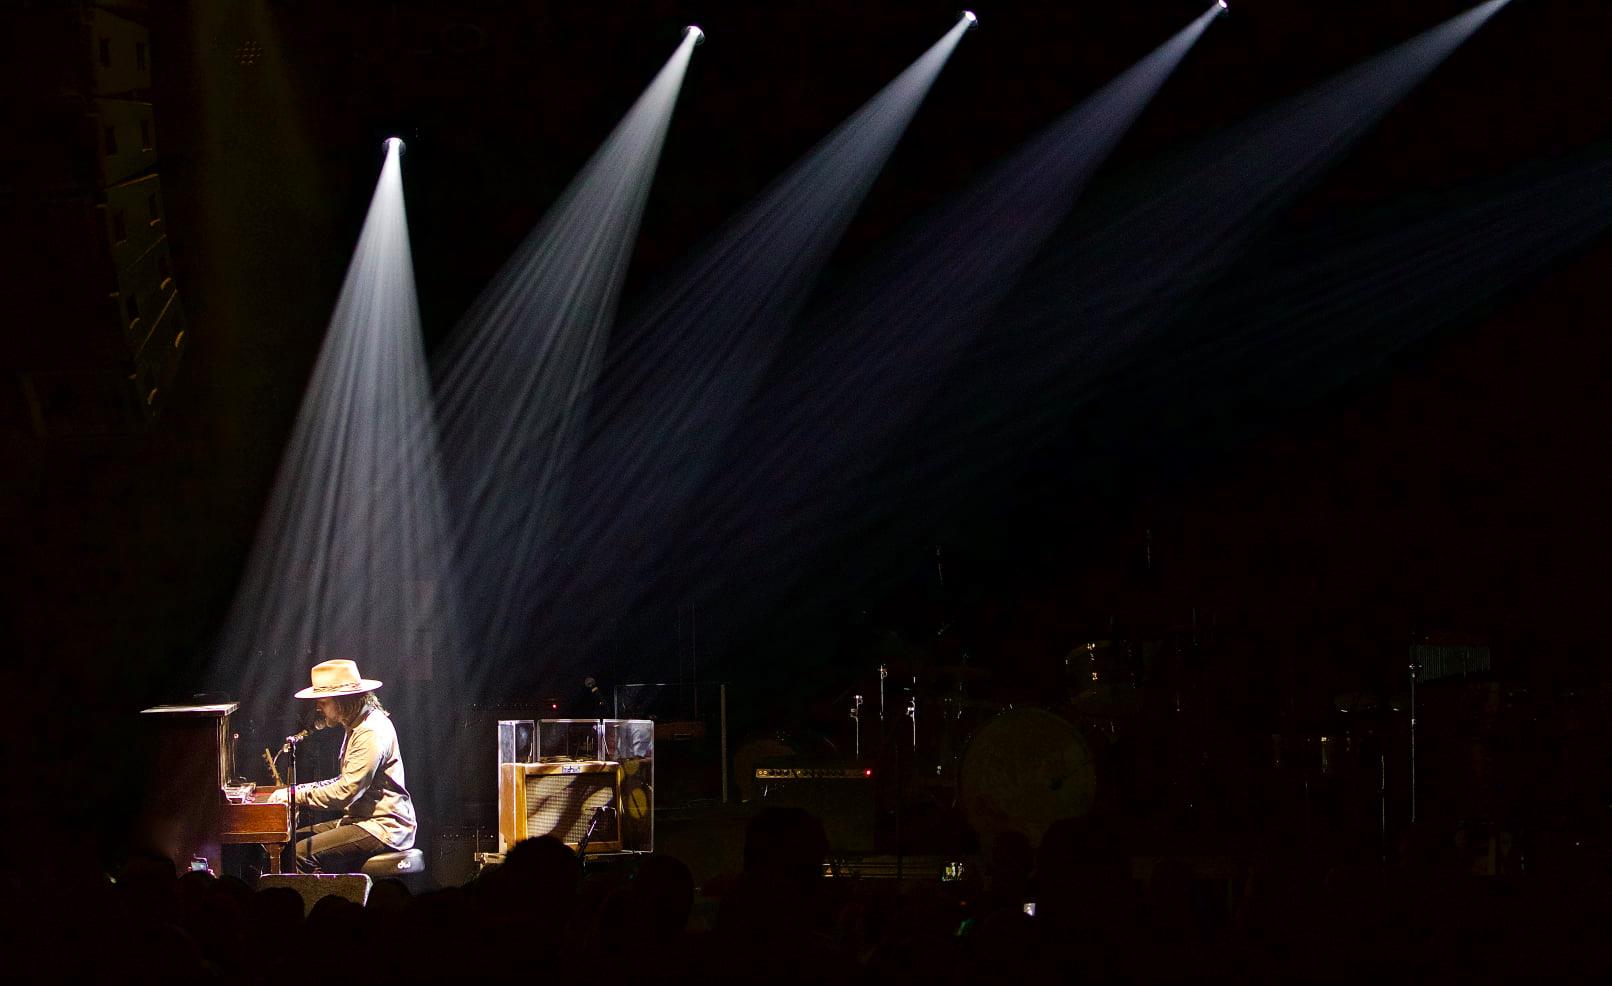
{"x":351,"y":708}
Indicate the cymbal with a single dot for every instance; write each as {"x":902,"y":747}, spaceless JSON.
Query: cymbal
{"x":1356,"y":701}
{"x":1089,"y":647}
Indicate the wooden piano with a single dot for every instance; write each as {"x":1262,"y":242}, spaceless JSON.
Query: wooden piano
{"x":257,"y":821}
{"x":187,"y":814}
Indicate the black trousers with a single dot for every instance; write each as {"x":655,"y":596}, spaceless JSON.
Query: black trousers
{"x":330,"y":847}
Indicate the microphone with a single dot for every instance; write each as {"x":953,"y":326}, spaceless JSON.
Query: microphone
{"x":319,"y":722}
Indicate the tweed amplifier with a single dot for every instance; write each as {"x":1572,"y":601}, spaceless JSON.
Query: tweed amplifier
{"x":560,"y":799}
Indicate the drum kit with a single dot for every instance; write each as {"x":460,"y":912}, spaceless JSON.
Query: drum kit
{"x":1162,"y":726}
{"x":1157,"y":725}
{"x":948,"y":734}
{"x":1116,"y":725}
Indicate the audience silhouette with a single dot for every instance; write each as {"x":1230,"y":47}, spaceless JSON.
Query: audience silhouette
{"x":1100,"y":917}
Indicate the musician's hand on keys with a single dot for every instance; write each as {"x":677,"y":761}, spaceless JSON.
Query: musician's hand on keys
{"x":277,"y":797}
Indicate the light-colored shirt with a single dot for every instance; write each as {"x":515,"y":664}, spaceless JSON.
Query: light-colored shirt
{"x":370,"y":792}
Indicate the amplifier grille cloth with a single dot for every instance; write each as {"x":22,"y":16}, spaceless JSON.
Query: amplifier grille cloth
{"x":561,"y":804}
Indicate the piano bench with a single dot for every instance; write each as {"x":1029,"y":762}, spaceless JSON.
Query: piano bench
{"x":409,"y":862}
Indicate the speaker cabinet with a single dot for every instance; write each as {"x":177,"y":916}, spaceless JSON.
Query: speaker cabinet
{"x":840,"y":795}
{"x":559,"y":799}
{"x":691,"y":739}
{"x":452,"y":856}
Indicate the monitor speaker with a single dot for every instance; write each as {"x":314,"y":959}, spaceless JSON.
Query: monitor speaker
{"x":314,"y":887}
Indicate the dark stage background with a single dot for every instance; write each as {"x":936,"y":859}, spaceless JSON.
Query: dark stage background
{"x":1457,"y":487}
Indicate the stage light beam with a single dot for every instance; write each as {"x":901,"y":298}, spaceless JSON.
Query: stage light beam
{"x":687,"y":368}
{"x":512,"y":377}
{"x":696,"y":33}
{"x":883,"y":343}
{"x":972,"y":19}
{"x":352,"y":553}
{"x":1225,"y":191}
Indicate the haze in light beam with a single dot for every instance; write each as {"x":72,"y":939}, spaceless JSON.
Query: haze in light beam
{"x":1125,"y":272}
{"x":683,"y":372}
{"x":351,"y":554}
{"x":1339,"y":302}
{"x":872,"y":356}
{"x":1315,"y":312}
{"x":1130,"y":269}
{"x":510,"y":378}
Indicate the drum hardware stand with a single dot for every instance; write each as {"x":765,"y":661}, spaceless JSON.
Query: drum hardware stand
{"x":1307,"y":829}
{"x":895,"y":759}
{"x":912,"y":713}
{"x":884,"y":672}
{"x":1382,"y":804}
{"x":722,"y":734}
{"x":1413,"y":670}
{"x":856,"y":718}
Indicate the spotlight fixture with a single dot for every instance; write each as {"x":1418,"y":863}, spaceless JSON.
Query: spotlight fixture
{"x":396,"y":142}
{"x":1224,"y":5}
{"x":699,"y":35}
{"x":973,"y":21}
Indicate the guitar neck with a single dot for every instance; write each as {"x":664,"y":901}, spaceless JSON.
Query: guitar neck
{"x":274,"y":772}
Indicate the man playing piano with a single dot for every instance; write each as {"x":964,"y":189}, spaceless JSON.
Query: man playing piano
{"x":377,"y":813}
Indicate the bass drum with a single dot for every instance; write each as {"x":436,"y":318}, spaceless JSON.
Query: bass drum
{"x":1024,"y":770}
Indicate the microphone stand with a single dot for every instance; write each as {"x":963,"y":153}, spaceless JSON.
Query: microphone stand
{"x":291,"y":745}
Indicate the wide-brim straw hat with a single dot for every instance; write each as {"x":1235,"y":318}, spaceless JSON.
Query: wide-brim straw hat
{"x":333,"y":678}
